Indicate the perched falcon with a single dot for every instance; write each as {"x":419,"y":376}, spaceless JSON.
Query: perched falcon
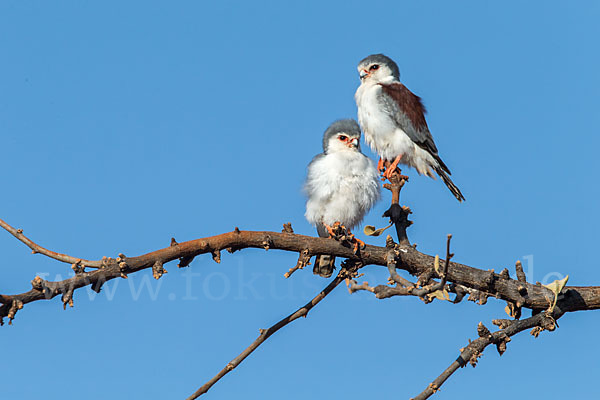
{"x":342,"y":185}
{"x":393,"y":119}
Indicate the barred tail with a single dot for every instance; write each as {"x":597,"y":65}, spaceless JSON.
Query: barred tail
{"x":324,"y":266}
{"x":453,"y":188}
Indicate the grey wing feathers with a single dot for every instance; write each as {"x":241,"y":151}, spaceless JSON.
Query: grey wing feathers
{"x":408,"y":113}
{"x":324,"y":264}
{"x":322,"y":231}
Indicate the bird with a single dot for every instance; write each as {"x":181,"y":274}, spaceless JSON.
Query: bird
{"x":393,"y":121}
{"x":342,"y":185}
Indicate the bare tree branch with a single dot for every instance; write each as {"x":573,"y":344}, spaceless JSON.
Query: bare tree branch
{"x":345,"y":272}
{"x":403,"y":286}
{"x":35,"y":248}
{"x":463,"y":280}
{"x":408,"y":258}
{"x":542,"y":321}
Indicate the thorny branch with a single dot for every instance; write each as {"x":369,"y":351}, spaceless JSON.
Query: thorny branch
{"x":455,"y":278}
{"x":545,"y":320}
{"x":347,"y":270}
{"x":404,"y":287}
{"x":527,"y":295}
{"x":542,"y":321}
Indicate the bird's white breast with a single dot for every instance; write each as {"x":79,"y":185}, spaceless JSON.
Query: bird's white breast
{"x":342,"y":187}
{"x":382,"y":133}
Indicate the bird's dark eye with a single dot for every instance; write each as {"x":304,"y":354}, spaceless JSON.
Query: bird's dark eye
{"x":343,"y":138}
{"x":374,"y":67}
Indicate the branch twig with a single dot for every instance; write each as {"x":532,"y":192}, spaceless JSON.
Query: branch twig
{"x":403,"y":286}
{"x":398,"y":214}
{"x":573,"y":298}
{"x":470,"y":354}
{"x":345,"y":272}
{"x":36,"y":248}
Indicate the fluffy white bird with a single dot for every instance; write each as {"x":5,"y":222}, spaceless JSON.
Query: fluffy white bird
{"x":342,"y":185}
{"x":393,"y":119}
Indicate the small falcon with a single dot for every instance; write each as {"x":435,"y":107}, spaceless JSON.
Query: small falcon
{"x":342,"y":185}
{"x":393,"y":119}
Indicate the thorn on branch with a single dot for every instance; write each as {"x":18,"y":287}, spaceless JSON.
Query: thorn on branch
{"x":502,"y":323}
{"x":490,"y":279}
{"x":520,"y":274}
{"x":78,"y":268}
{"x":535,"y":332}
{"x":67,"y":298}
{"x":501,"y":342}
{"x":267,"y":242}
{"x":41,"y":285}
{"x":173,"y":242}
{"x":482,"y":331}
{"x":158,"y":270}
{"x":97,"y":286}
{"x":105,"y":262}
{"x":37,"y":283}
{"x":473,"y":360}
{"x":434,"y":388}
{"x":303,"y":261}
{"x":216,"y":256}
{"x":389,"y":242}
{"x":513,"y":310}
{"x":183,"y":262}
{"x":287,"y":228}
{"x":12,"y":311}
{"x":237,"y":230}
{"x":123,"y":269}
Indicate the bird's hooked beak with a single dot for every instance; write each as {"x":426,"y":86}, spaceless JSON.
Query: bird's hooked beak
{"x":353,"y":143}
{"x":363,"y":74}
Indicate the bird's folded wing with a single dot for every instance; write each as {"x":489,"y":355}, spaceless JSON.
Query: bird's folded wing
{"x":408,"y":112}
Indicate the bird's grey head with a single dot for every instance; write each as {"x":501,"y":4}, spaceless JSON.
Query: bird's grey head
{"x":378,"y":68}
{"x":342,"y":135}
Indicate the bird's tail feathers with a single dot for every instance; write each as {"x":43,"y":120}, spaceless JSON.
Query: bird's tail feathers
{"x":324,"y":265}
{"x":453,"y":188}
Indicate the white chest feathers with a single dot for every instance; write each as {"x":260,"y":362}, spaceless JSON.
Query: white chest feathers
{"x":341,"y":186}
{"x":382,"y":133}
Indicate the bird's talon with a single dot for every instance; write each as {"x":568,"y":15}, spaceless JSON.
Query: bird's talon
{"x":380,"y":165}
{"x":358,"y":244}
{"x":330,"y":230}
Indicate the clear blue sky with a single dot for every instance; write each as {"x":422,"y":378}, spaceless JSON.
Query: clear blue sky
{"x":125,"y":123}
